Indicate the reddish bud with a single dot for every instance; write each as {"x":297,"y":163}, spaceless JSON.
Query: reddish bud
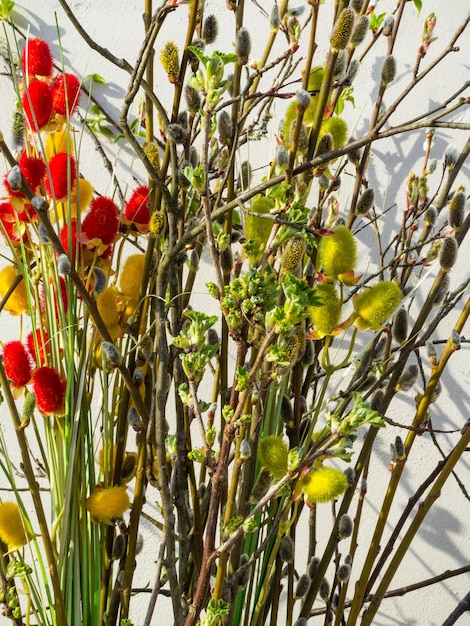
{"x":137,"y":209}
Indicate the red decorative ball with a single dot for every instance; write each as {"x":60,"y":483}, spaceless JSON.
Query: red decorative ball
{"x":49,"y":389}
{"x":137,"y":209}
{"x":33,"y":169}
{"x":63,"y":175}
{"x":66,"y":94}
{"x":102,"y":221}
{"x":36,"y":58}
{"x":42,"y":342}
{"x":17,"y":363}
{"x":37,"y":104}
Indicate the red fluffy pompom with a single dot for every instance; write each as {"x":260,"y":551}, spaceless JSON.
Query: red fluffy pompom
{"x":49,"y":389}
{"x":36,"y":58}
{"x":37,"y":104}
{"x":66,"y":94}
{"x":102,"y":221}
{"x":42,"y":346}
{"x":137,"y":209}
{"x":33,"y":169}
{"x":63,"y":172}
{"x":68,"y":235}
{"x":17,"y":363}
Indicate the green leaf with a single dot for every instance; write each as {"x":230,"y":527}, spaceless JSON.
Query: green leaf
{"x":96,"y":78}
{"x":419,"y":5}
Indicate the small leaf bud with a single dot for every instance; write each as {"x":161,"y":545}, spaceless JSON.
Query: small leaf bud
{"x":389,"y":70}
{"x":245,"y":174}
{"x":18,"y":129}
{"x":99,"y":283}
{"x":226,"y":260}
{"x":354,"y":156}
{"x":448,"y":253}
{"x":28,"y":408}
{"x":119,"y":548}
{"x":376,"y":399}
{"x":134,"y":420}
{"x":287,"y":412}
{"x":245,"y":449}
{"x":360,"y":30}
{"x":350,"y":474}
{"x":243,"y":45}
{"x":357,"y":5}
{"x":442,"y":290}
{"x":303,"y":98}
{"x":408,"y":378}
{"x":365,"y":202}
{"x":345,"y":527}
{"x":400,"y":326}
{"x":343,"y":29}
{"x":303,"y":585}
{"x":286,"y":549}
{"x":43,"y":235}
{"x":455,"y":338}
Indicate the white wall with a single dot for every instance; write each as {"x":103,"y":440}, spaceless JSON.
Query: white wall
{"x":444,"y":541}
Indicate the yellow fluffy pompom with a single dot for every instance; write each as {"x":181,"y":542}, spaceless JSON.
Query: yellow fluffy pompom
{"x":273,"y":454}
{"x":337,"y":252}
{"x":12,"y":527}
{"x":375,"y":305}
{"x":323,"y":484}
{"x":109,"y":307}
{"x":130,"y":280}
{"x":108,"y":504}
{"x":17,"y":302}
{"x":325,"y":318}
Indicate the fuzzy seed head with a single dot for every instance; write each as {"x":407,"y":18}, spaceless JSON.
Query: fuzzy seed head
{"x":262,"y":485}
{"x":151,"y":150}
{"x":442,"y":290}
{"x":282,"y":158}
{"x":274,"y":18}
{"x":376,"y":399}
{"x":301,"y":622}
{"x":324,"y":590}
{"x":50,"y":390}
{"x":177,"y":134}
{"x":287,"y":412}
{"x":353,"y":69}
{"x":14,"y":178}
{"x":357,"y":5}
{"x":343,"y":29}
{"x":243,"y":45}
{"x":225,"y":127}
{"x":457,"y":210}
{"x":448,"y":253}
{"x":325,"y":144}
{"x":293,"y":253}
{"x":451,"y":157}
{"x":345,"y":527}
{"x":111,"y":352}
{"x":343,"y":573}
{"x":37,"y":104}
{"x":430,"y":215}
{"x":389,"y":70}
{"x":18,"y":129}
{"x":137,"y":209}
{"x":303,"y":585}
{"x":303,"y":98}
{"x":360,"y":30}
{"x":169,"y":58}
{"x":408,"y":378}
{"x":399,"y":448}
{"x":365,"y":202}
{"x":66,"y":94}
{"x":157,"y":223}
{"x":286,"y":549}
{"x":100,"y":280}
{"x":400,"y":326}
{"x":64,"y":266}
{"x":63,"y":175}
{"x":210,"y":29}
{"x":193,"y":99}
